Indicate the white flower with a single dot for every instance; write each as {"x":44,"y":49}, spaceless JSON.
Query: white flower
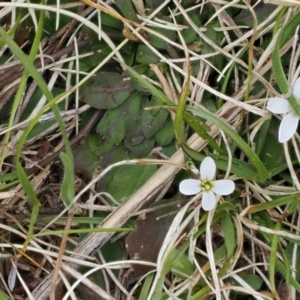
{"x":290,"y":120}
{"x":207,"y":185}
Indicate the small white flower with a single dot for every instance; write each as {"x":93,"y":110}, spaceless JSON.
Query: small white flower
{"x":290,"y":120}
{"x":207,"y":185}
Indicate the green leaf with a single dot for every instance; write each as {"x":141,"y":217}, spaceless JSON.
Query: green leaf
{"x":106,"y":90}
{"x":263,"y":173}
{"x":133,"y":123}
{"x":85,"y":159}
{"x":3,"y":296}
{"x":122,"y":181}
{"x":182,"y":264}
{"x":111,"y":128}
{"x":166,"y":134}
{"x":144,"y":55}
{"x":287,"y":31}
{"x":142,"y":149}
{"x":271,"y":151}
{"x":146,"y":286}
{"x":254,"y":281}
{"x":29,"y":67}
{"x":128,"y":179}
{"x":275,"y":248}
{"x":68,"y":183}
{"x":127,"y":9}
{"x":285,"y":200}
{"x":292,"y":254}
{"x":26,"y":185}
{"x":282,"y":269}
{"x":229,"y":234}
{"x":128,"y":53}
{"x":158,"y":42}
{"x":239,"y":168}
{"x":145,"y":85}
{"x":139,"y":70}
{"x":190,"y":33}
{"x":23,"y":82}
{"x":151,"y":124}
{"x":110,"y":21}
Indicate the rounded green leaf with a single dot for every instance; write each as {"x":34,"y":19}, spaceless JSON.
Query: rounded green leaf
{"x":106,"y":90}
{"x":158,"y":42}
{"x":166,"y":134}
{"x":111,"y":128}
{"x":144,"y":55}
{"x":141,"y":150}
{"x":153,"y":121}
{"x":133,"y":123}
{"x":126,"y":180}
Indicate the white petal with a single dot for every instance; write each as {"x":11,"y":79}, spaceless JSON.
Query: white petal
{"x":288,"y":127}
{"x":208,"y":169}
{"x":223,"y":187}
{"x":278,"y":106}
{"x":296,"y":89}
{"x":190,"y":187}
{"x":208,"y":200}
{"x":12,"y":277}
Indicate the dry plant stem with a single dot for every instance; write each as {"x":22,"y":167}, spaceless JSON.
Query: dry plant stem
{"x":227,"y":19}
{"x":60,"y":254}
{"x":88,"y":283}
{"x":117,"y":218}
{"x":163,"y":81}
{"x":38,"y":62}
{"x":165,"y":85}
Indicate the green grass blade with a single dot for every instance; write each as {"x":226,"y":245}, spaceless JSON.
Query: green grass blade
{"x":32,"y":198}
{"x":68,"y":183}
{"x":229,"y":234}
{"x":22,"y":86}
{"x":29,"y":67}
{"x":146,"y":286}
{"x":284,"y":35}
{"x":262,"y":172}
{"x":239,"y":168}
{"x":273,"y":255}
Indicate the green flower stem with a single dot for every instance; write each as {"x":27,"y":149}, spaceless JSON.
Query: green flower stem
{"x":284,"y":35}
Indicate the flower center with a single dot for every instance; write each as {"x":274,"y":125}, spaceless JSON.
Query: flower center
{"x":206,"y":185}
